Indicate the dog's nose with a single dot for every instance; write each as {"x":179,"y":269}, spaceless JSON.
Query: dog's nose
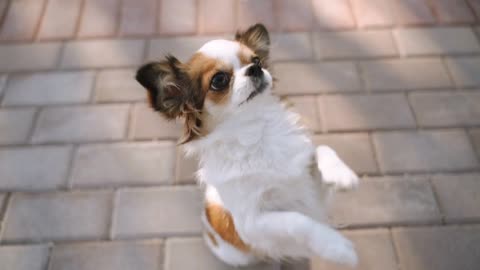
{"x":255,"y":70}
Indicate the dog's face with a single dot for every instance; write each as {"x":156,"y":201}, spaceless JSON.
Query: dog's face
{"x":220,"y":78}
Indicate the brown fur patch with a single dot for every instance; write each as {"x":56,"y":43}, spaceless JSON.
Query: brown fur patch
{"x":222,"y":222}
{"x":203,"y":68}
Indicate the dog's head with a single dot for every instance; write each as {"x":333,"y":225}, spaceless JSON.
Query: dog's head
{"x":220,"y":78}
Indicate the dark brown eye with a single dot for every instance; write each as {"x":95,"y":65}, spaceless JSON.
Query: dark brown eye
{"x":219,"y":81}
{"x":256,"y":60}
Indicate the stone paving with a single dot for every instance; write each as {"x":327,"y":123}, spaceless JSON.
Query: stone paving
{"x":91,"y":178}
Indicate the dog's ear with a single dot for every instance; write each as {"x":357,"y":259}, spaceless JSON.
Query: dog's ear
{"x":167,"y":84}
{"x":172,"y":94}
{"x":256,"y":38}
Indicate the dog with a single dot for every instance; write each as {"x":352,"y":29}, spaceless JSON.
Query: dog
{"x":266,"y":185}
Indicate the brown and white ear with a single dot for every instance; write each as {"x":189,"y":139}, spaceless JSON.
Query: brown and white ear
{"x":167,"y":85}
{"x":256,"y":38}
{"x":171,"y":93}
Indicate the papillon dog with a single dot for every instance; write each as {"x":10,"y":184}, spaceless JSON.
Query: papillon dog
{"x":266,"y":184}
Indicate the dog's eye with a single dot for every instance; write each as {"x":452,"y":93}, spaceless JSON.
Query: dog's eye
{"x":256,"y":60}
{"x":219,"y":81}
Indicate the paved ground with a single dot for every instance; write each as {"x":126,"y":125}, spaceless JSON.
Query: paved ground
{"x":90,"y":178}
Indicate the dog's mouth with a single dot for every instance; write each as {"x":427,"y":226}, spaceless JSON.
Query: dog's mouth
{"x":260,"y":85}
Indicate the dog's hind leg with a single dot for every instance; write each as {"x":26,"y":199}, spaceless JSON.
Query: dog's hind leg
{"x":220,"y":233}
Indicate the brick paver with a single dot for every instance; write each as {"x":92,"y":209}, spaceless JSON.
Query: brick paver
{"x":148,"y":124}
{"x":24,"y":257}
{"x":38,"y":56}
{"x":21,"y":20}
{"x":117,"y":85}
{"x":138,"y":17}
{"x":91,"y":176}
{"x":387,"y":201}
{"x":306,"y":107}
{"x":435,"y":248}
{"x":124,"y":164}
{"x":58,"y":216}
{"x":296,"y":15}
{"x":354,"y":148}
{"x":366,"y":112}
{"x":458,"y":195}
{"x":49,"y":88}
{"x":435,"y":41}
{"x":424,"y":151}
{"x":102,"y":53}
{"x":254,"y":11}
{"x":146,"y":255}
{"x":185,"y":169}
{"x":375,"y":252}
{"x":223,"y":21}
{"x":316,"y":78}
{"x":405,"y":74}
{"x":465,"y":71}
{"x":60,"y":19}
{"x":291,"y":46}
{"x":15,"y":125}
{"x":176,"y":248}
{"x":453,"y":11}
{"x":354,"y":44}
{"x":446,"y":109}
{"x":99,"y":18}
{"x":372,"y":13}
{"x":332,"y":15}
{"x":176,"y":211}
{"x":74,"y":124}
{"x":33,"y":168}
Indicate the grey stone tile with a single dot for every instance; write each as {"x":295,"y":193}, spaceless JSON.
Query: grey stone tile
{"x":116,"y":85}
{"x":366,"y":112}
{"x":354,"y":44}
{"x":34,"y":168}
{"x":438,"y":248}
{"x":291,"y":46}
{"x":433,"y":41}
{"x":31,"y":257}
{"x":49,"y":88}
{"x":313,"y":78}
{"x":459,"y":196}
{"x":407,"y":151}
{"x":38,"y":56}
{"x":81,"y":123}
{"x":374,"y":248}
{"x":148,"y":124}
{"x":145,"y":255}
{"x":158,"y":212}
{"x":446,"y":109}
{"x":355,"y":149}
{"x":386,"y":201}
{"x":15,"y":125}
{"x":203,"y":259}
{"x":405,"y":74}
{"x":102,"y":53}
{"x":124,"y":164}
{"x":465,"y":70}
{"x":58,"y":216}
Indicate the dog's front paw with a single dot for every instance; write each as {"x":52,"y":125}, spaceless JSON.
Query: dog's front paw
{"x":334,"y":172}
{"x":339,"y":176}
{"x":338,"y":249}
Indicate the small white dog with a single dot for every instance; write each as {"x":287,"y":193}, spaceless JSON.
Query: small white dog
{"x":266,"y":184}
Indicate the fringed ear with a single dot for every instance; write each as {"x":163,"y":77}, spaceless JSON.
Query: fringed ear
{"x":172,"y":94}
{"x":256,"y":38}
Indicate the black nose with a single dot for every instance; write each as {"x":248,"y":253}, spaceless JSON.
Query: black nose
{"x":254,"y":70}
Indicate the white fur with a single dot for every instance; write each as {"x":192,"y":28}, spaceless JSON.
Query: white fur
{"x":256,"y":163}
